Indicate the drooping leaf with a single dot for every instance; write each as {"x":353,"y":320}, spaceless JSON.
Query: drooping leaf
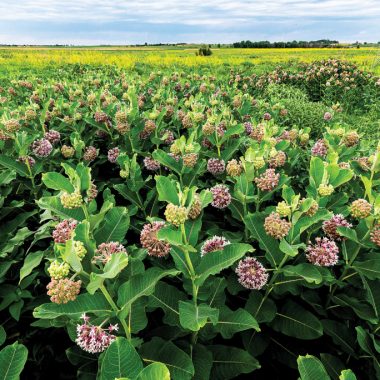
{"x":166,"y":352}
{"x":12,"y":361}
{"x":194,"y":317}
{"x":120,"y":360}
{"x":311,"y":368}
{"x":229,"y":362}
{"x":85,"y":303}
{"x":114,"y":227}
{"x":215,"y":262}
{"x":293,"y":320}
{"x":154,"y":371}
{"x":140,"y":285}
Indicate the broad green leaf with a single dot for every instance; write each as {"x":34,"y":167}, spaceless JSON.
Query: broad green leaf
{"x":194,"y":317}
{"x":53,"y":204}
{"x":164,"y":159}
{"x":57,"y":181}
{"x":317,"y":169}
{"x":368,"y":268}
{"x":215,"y":262}
{"x":69,"y":255}
{"x":85,"y":303}
{"x":3,"y":335}
{"x":311,"y":368}
{"x":263,"y":310}
{"x":255,"y":224}
{"x":347,"y":374}
{"x":154,"y":371}
{"x":11,"y":163}
{"x":32,"y":260}
{"x":167,"y":297}
{"x":7,"y":176}
{"x":340,"y":335}
{"x":306,"y":271}
{"x":12,"y":361}
{"x":114,"y":227}
{"x":295,"y":321}
{"x":202,"y":360}
{"x":288,"y":249}
{"x":231,"y":322}
{"x":167,"y":190}
{"x":140,"y":285}
{"x":166,"y":352}
{"x":120,"y":360}
{"x":112,"y":268}
{"x":229,"y":362}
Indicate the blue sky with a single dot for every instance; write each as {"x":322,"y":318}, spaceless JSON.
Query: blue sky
{"x":92,"y":22}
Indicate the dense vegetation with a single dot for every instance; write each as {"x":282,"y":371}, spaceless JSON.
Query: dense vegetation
{"x":208,"y":224}
{"x":285,"y":44}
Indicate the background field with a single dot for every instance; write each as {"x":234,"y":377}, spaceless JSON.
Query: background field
{"x":14,"y":59}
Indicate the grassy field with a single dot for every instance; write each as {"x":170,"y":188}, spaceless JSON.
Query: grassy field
{"x":13,"y":59}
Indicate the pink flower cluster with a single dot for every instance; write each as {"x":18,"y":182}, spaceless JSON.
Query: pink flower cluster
{"x":42,"y":148}
{"x":216,"y":243}
{"x":251,"y":273}
{"x":330,"y":226}
{"x":268,"y":180}
{"x":151,"y":164}
{"x":106,"y":250}
{"x":216,"y":166}
{"x":113,"y":154}
{"x":320,"y":148}
{"x":94,"y":339}
{"x":64,"y":230}
{"x":149,"y":240}
{"x":323,"y":253}
{"x":221,"y":197}
{"x":63,"y":290}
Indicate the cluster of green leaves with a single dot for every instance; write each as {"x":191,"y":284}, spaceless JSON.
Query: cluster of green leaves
{"x":185,"y":316}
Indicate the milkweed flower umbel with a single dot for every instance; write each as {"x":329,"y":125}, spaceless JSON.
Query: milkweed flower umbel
{"x":216,"y":243}
{"x":113,"y":154}
{"x":151,"y":164}
{"x":64,"y":230}
{"x":105,"y":250}
{"x":58,"y":270}
{"x":71,"y":201}
{"x":53,"y":136}
{"x":90,"y":153}
{"x":360,"y":209}
{"x":330,"y":226}
{"x":320,"y":148}
{"x":216,"y":166}
{"x":268,"y":180}
{"x":375,"y":234}
{"x":176,"y":215}
{"x":276,"y":227}
{"x":221,"y":197}
{"x":94,"y":339}
{"x":323,"y":253}
{"x":251,"y":273}
{"x":150,"y":241}
{"x":63,"y":290}
{"x":42,"y":148}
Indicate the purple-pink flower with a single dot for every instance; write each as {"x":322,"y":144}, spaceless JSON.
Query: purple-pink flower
{"x":42,"y":148}
{"x":323,"y":253}
{"x":64,"y":230}
{"x":251,"y":273}
{"x":94,"y":339}
{"x":330,"y":226}
{"x":216,"y":243}
{"x":221,"y":196}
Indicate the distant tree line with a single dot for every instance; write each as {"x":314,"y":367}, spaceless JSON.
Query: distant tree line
{"x":289,"y":44}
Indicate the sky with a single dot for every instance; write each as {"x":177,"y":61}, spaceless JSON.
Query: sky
{"x":95,"y":22}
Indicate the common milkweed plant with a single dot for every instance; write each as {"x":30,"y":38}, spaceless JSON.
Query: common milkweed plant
{"x":186,"y":234}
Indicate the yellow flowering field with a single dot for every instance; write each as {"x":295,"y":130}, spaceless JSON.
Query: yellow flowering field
{"x":13,"y":58}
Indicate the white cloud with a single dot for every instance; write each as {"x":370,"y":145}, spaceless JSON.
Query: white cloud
{"x":191,"y":12}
